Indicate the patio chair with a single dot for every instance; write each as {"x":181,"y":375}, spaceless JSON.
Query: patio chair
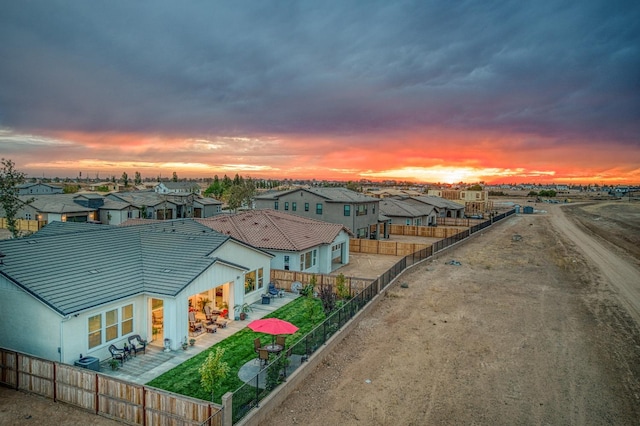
{"x":280,"y":340}
{"x":273,"y":291}
{"x":117,"y":353}
{"x":138,"y":344}
{"x":257,"y":345}
{"x":263,"y":356}
{"x":211,"y":328}
{"x":208,"y":314}
{"x":194,"y":325}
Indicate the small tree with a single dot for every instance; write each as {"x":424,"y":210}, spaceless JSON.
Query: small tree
{"x":125,"y":179}
{"x":342,"y":291}
{"x":137,"y":180}
{"x":213,"y":370}
{"x":9,"y":179}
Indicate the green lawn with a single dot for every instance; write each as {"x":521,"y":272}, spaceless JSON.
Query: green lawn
{"x":185,"y":378}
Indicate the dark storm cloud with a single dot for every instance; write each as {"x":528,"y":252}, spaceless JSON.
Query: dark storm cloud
{"x":322,"y":68}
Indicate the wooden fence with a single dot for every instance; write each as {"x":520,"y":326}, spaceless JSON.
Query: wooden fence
{"x":106,"y":396}
{"x":425,"y":231}
{"x":458,"y":221}
{"x":284,"y":279}
{"x":389,"y":248}
{"x":23,"y":225}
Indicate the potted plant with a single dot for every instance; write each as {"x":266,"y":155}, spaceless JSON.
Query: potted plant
{"x":114,"y":364}
{"x":243,"y":310}
{"x":184,"y":344}
{"x":192,"y":342}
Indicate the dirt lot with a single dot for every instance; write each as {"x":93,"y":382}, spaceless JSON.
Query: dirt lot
{"x":525,"y":331}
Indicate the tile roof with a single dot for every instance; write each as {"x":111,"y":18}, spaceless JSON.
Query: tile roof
{"x":397,"y":208}
{"x":73,"y":267}
{"x":436,"y":201}
{"x":274,"y":230}
{"x":56,"y":203}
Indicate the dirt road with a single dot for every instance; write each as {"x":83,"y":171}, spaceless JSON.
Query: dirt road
{"x":528,"y":330}
{"x":617,"y":268}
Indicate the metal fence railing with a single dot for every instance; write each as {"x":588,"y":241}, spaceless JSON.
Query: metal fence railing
{"x":252,"y":392}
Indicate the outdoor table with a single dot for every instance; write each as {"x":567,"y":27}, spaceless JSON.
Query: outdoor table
{"x":274,"y":349}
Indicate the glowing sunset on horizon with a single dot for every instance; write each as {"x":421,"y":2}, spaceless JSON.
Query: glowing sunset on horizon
{"x":411,"y":91}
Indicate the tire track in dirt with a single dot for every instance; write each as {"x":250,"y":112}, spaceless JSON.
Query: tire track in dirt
{"x":623,"y":276}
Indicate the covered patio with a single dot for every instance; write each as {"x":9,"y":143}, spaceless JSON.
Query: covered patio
{"x":146,"y":366}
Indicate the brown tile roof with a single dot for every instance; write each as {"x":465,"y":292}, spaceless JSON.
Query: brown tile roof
{"x":273,"y":230}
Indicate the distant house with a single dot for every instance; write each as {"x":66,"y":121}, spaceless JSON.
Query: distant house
{"x":443,"y":207}
{"x":474,"y":202}
{"x":38,"y":189}
{"x":59,"y":301}
{"x":358,"y":212}
{"x":391,"y":192}
{"x":106,"y":186}
{"x":177,"y":188}
{"x":297,"y":243}
{"x":406,"y":213}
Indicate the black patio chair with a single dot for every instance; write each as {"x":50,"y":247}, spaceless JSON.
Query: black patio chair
{"x":138,"y":344}
{"x":117,"y":353}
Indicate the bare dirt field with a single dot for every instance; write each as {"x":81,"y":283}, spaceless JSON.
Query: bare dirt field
{"x":535,"y":329}
{"x":527,"y":330}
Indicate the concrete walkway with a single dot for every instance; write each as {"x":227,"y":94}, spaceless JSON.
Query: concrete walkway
{"x":146,"y":366}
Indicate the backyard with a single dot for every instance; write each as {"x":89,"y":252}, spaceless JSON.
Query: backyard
{"x":184,"y":379}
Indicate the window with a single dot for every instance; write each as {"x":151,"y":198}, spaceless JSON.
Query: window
{"x":319,"y":208}
{"x":286,"y":205}
{"x":408,"y":222}
{"x":129,"y":214}
{"x":361,"y":233}
{"x":362,"y":210}
{"x":347,"y":210}
{"x":306,"y":207}
{"x":260,"y":280}
{"x":110,"y":325}
{"x":95,"y":331}
{"x":127,"y":319}
{"x":286,"y":263}
{"x":307,"y":260}
{"x":249,"y":282}
{"x":275,"y":205}
{"x":294,"y":206}
{"x":315,"y":255}
{"x":27,"y":216}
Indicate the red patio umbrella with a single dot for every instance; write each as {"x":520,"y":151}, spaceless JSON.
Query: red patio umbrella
{"x":273,"y":326}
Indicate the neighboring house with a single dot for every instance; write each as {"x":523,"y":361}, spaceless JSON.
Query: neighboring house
{"x":474,"y":202}
{"x":358,"y":212}
{"x":391,"y":192}
{"x":150,"y":204}
{"x":38,"y":189}
{"x":404,"y":213}
{"x":75,"y":288}
{"x":206,"y":207}
{"x":177,"y":188}
{"x":297,"y":243}
{"x":58,"y":207}
{"x":109,"y":186}
{"x":444,"y":208}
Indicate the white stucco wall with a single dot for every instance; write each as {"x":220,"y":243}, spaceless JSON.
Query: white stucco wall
{"x":27,"y":325}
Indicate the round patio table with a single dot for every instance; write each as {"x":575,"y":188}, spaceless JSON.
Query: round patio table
{"x":274,"y":349}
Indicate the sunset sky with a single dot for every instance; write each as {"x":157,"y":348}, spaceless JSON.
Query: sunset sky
{"x":428,"y":91}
